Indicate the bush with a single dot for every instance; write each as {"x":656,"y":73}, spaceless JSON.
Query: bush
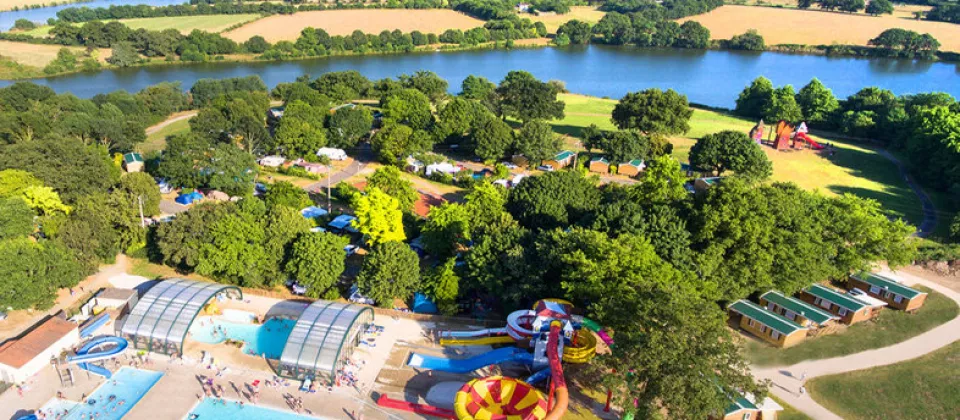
{"x":748,"y":41}
{"x":24,"y":25}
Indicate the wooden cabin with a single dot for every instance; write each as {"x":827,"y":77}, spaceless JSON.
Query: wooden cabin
{"x":894,"y":293}
{"x":849,"y":309}
{"x":796,"y":310}
{"x":768,"y":326}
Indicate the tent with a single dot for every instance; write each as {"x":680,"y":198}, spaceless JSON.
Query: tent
{"x":423,"y":305}
{"x":189,"y":198}
{"x":313,"y":212}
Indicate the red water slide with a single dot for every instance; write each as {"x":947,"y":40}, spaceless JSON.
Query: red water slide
{"x":811,"y":142}
{"x":559,"y":384}
{"x":424,"y":409}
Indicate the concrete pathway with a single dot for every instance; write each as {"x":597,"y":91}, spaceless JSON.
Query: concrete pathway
{"x":364,"y":157}
{"x":786,"y":379}
{"x":929,"y":222}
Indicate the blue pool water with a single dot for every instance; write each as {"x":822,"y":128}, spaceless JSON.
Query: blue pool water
{"x":210,"y":409}
{"x":267,"y":338}
{"x":127,"y":386}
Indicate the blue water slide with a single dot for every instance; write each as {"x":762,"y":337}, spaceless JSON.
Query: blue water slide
{"x":95,"y":369}
{"x":498,"y":356}
{"x":98,"y":349}
{"x":92,"y":327}
{"x":538,"y":377}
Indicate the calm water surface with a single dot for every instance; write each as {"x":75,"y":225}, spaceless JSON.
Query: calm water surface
{"x":707,"y":77}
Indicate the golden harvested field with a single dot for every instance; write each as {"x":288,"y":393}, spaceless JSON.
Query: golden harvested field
{"x":582,"y":13}
{"x":343,"y":22}
{"x":812,"y":27}
{"x":39,"y":55}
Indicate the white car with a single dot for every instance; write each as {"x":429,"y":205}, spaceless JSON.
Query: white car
{"x":510,"y":165}
{"x":545,"y":168}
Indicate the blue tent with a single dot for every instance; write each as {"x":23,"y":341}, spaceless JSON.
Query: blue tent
{"x":423,"y":305}
{"x":313,"y":212}
{"x":189,"y":198}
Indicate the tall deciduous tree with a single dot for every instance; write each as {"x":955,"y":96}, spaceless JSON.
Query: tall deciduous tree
{"x":442,"y":285}
{"x":654,"y":111}
{"x":492,"y":138}
{"x":316,"y":262}
{"x":379,"y":217}
{"x":476,"y":88}
{"x":388,"y":179}
{"x":817,"y":103}
{"x":731,"y":150}
{"x":236,"y":250}
{"x":16,"y":218}
{"x":391,"y":271}
{"x":447,"y":227}
{"x":485,"y":204}
{"x":783,"y":106}
{"x":348,"y":125}
{"x":408,"y":106}
{"x":662,"y":181}
{"x":553,"y":200}
{"x":536,"y":141}
{"x":755,"y":98}
{"x":283,"y":193}
{"x":32,"y":272}
{"x":300,"y":132}
{"x":525,"y":98}
{"x":142,"y":189}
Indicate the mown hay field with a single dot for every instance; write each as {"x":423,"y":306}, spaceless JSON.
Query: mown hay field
{"x":588,"y":14}
{"x":184,"y":24}
{"x":814,"y":27}
{"x":343,"y":22}
{"x":39,"y":55}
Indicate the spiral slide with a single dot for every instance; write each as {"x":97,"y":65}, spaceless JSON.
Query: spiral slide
{"x":102,"y":348}
{"x":508,"y":354}
{"x":499,"y":397}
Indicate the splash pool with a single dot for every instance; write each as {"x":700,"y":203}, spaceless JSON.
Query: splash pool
{"x":113,"y":399}
{"x":210,"y":409}
{"x":266,"y":339}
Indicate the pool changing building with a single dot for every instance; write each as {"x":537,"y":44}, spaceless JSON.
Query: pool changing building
{"x":325,"y":335}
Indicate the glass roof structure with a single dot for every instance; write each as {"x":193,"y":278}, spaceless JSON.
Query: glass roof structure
{"x":163,"y":315}
{"x":322,"y":339}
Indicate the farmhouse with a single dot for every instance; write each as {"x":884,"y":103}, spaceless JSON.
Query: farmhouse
{"x":746,"y":408}
{"x":631,"y":168}
{"x":133,"y":162}
{"x":23,"y":357}
{"x":849,"y":309}
{"x":890,"y":291}
{"x":796,"y":310}
{"x":599,"y":165}
{"x":768,"y":326}
{"x":561,"y":160}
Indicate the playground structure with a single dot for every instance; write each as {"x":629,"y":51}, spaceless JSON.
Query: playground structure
{"x":787,"y":137}
{"x":553,"y":335}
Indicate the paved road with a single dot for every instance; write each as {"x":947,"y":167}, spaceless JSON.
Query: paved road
{"x":929,"y":222}
{"x":361,"y":160}
{"x":785,"y":379}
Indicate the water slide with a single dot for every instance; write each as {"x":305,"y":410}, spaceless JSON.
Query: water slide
{"x":472,"y":334}
{"x":478,"y":341}
{"x":424,"y":409}
{"x":96,"y":350}
{"x":559,"y":383}
{"x":498,"y":356}
{"x":93,"y":326}
{"x":597,"y":328}
{"x":499,"y":397}
{"x":803,"y":136}
{"x":539,"y":376}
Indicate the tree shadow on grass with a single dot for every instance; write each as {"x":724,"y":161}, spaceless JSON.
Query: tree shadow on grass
{"x":893,"y":203}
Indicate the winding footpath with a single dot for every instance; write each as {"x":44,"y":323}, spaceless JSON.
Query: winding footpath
{"x":786,"y":379}
{"x":929,"y":222}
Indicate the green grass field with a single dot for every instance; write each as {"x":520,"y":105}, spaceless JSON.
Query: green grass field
{"x":184,"y":24}
{"x":922,"y":388}
{"x":158,"y":140}
{"x":789,"y":413}
{"x":890,"y":327}
{"x":854,"y":168}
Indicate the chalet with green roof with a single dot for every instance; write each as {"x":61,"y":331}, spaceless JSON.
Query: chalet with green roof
{"x":849,"y":309}
{"x":889,"y":290}
{"x":796,"y":310}
{"x":133,"y":162}
{"x":745,"y":407}
{"x":632,"y":168}
{"x":600,"y":165}
{"x":768,"y":326}
{"x":561,"y":160}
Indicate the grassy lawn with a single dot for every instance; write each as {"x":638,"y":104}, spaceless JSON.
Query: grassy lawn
{"x":925,"y":387}
{"x":854,"y":168}
{"x":588,"y":14}
{"x":158,"y":139}
{"x":184,"y":24}
{"x":789,"y":413}
{"x":889,"y":328}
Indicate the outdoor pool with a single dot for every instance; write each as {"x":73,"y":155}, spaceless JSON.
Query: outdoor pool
{"x":266,"y":339}
{"x":210,"y":409}
{"x":127,"y":386}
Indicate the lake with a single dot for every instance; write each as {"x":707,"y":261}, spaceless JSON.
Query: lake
{"x":41,"y":15}
{"x":712,"y":78}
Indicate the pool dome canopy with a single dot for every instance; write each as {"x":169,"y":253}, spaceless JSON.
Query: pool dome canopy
{"x":325,"y":335}
{"x":163,"y":315}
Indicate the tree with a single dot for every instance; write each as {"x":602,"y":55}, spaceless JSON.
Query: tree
{"x":256,"y":44}
{"x":235,"y":253}
{"x":552,"y":200}
{"x":625,"y":145}
{"x":879,"y":7}
{"x":389,"y":180}
{"x":476,"y":88}
{"x":178,"y":243}
{"x":124,"y":55}
{"x":24,"y":25}
{"x":447,"y":226}
{"x":316,"y":262}
{"x":754,"y":99}
{"x":64,"y":164}
{"x":536,"y":141}
{"x":14,"y":181}
{"x":89,"y":231}
{"x":693,"y":35}
{"x":32,"y":272}
{"x":662,"y":181}
{"x":783,"y":106}
{"x":730,"y":150}
{"x":300,"y":132}
{"x":141,"y":186}
{"x":394,"y":142}
{"x":504,"y":260}
{"x":577,"y":31}
{"x":232,"y":170}
{"x":525,"y":98}
{"x":749,"y":41}
{"x":615,"y":29}
{"x":391,"y":271}
{"x":485,"y":204}
{"x":408,"y":106}
{"x":427,"y":82}
{"x":16,"y":218}
{"x":442,"y":284}
{"x":379,"y":217}
{"x":492,"y":138}
{"x":281,"y":226}
{"x":348,"y":125}
{"x":817,"y":102}
{"x":851,"y":6}
{"x":654,"y":111}
{"x":283,"y":193}
{"x":44,"y":200}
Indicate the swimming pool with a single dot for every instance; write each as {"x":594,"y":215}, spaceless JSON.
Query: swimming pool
{"x":126,"y":387}
{"x":267,"y":339}
{"x":210,"y":409}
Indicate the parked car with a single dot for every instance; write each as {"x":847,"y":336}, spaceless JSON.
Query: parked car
{"x":298,"y":289}
{"x":510,"y":165}
{"x":545,"y":168}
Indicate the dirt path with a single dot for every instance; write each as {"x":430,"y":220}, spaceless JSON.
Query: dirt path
{"x":929,"y":222}
{"x":786,"y":379}
{"x":172,"y":119}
